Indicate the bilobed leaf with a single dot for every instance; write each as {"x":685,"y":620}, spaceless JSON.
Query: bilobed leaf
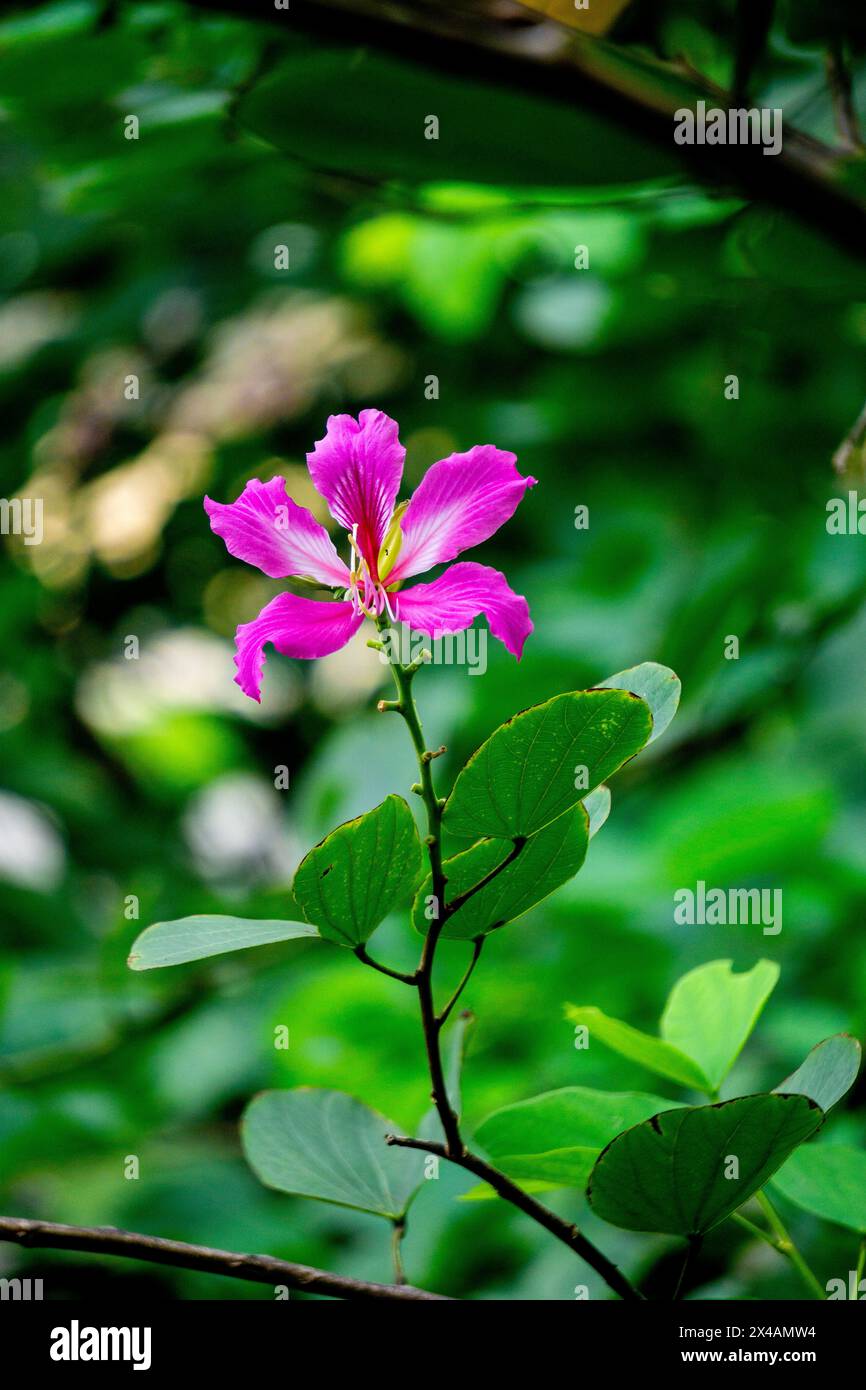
{"x":555,"y":1138}
{"x":542,"y":865}
{"x":708,"y":1017}
{"x":329,"y":1146}
{"x":674,"y":1173}
{"x":711,"y":1012}
{"x":658,"y":685}
{"x":658,"y":1056}
{"x":196,"y":938}
{"x":828,"y":1180}
{"x":349,"y":883}
{"x":827,"y":1073}
{"x":526,"y":774}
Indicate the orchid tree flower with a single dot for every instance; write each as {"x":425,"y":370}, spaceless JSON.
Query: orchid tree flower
{"x":357,"y":467}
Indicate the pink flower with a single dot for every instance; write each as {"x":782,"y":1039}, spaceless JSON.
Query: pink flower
{"x":357,"y":468}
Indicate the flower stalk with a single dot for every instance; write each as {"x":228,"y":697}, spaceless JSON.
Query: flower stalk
{"x":454,"y":1148}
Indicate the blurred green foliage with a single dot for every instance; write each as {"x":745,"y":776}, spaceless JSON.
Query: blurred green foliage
{"x":147,"y":784}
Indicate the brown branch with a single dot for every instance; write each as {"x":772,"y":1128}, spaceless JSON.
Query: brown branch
{"x":256,"y":1269}
{"x":510,"y":1192}
{"x":803,"y":179}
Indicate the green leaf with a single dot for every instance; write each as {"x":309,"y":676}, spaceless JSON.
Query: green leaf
{"x":828,"y":1072}
{"x":711,"y":1012}
{"x":556,"y":1137}
{"x":669,"y":1173}
{"x":525,"y":775}
{"x":828,"y":1180}
{"x":329,"y":1146}
{"x":597,"y":806}
{"x":360,"y":872}
{"x":542,"y":865}
{"x":196,"y":938}
{"x":660,"y":1057}
{"x":486,"y":133}
{"x":658,"y":686}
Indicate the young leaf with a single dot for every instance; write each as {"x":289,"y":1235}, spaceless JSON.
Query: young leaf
{"x":708,"y":1017}
{"x":828,"y":1180}
{"x":684,"y":1171}
{"x":196,"y":938}
{"x":543,"y":864}
{"x":658,"y":685}
{"x":543,"y":761}
{"x":555,"y":1138}
{"x":710,"y":1013}
{"x":327,"y":1145}
{"x":828,"y":1072}
{"x":350,"y":882}
{"x":660,"y":1057}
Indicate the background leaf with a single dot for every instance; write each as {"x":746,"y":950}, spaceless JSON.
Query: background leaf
{"x":506,"y":137}
{"x":828,"y":1072}
{"x":597,"y":806}
{"x":327,"y":1145}
{"x":710,"y":1013}
{"x":655,"y":1054}
{"x":523,"y":777}
{"x":556,"y":1137}
{"x":360,"y":872}
{"x":668,"y":1174}
{"x":195,"y":938}
{"x":658,"y":686}
{"x":828,"y":1180}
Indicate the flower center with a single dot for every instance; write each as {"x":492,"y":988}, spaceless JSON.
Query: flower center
{"x":367,"y":595}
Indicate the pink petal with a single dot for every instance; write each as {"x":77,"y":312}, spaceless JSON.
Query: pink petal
{"x":459,"y":502}
{"x":300,"y":627}
{"x":266,"y":528}
{"x":357,"y":468}
{"x":453,"y":601}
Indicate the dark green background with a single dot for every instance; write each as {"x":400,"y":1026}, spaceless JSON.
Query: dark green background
{"x":154,"y":777}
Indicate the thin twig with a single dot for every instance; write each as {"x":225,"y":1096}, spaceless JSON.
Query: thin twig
{"x":785,"y":1245}
{"x":478,"y":946}
{"x":510,"y":1192}
{"x":365,"y":959}
{"x":692,"y":1251}
{"x":256,"y":1269}
{"x":398,"y":1231}
{"x":449,"y":909}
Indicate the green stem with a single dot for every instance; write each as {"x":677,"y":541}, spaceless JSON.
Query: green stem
{"x":785,"y":1245}
{"x":405,"y":705}
{"x":861,"y":1260}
